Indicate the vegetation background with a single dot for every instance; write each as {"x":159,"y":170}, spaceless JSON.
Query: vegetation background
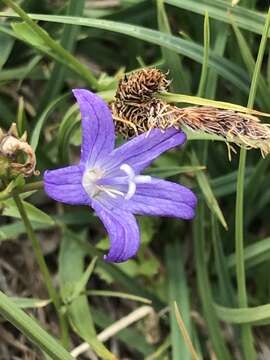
{"x":197,"y":290}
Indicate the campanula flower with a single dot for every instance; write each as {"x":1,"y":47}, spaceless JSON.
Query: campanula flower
{"x":109,"y":179}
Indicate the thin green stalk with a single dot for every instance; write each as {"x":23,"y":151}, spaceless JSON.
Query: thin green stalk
{"x":76,"y":65}
{"x":203,"y":78}
{"x":36,"y":185}
{"x":247,"y":340}
{"x":44,"y":269}
{"x":239,"y":236}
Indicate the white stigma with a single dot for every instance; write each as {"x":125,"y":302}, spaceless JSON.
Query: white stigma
{"x":133,"y":179}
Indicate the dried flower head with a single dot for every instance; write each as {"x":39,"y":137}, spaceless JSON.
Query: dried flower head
{"x":138,"y":109}
{"x":12,"y":146}
{"x":141,"y":85}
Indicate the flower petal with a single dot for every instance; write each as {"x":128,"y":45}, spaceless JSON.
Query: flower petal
{"x":143,"y":149}
{"x":65,"y":185}
{"x":97,"y":127}
{"x":123,"y":232}
{"x":158,"y":198}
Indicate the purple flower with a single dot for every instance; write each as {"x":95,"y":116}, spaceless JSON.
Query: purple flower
{"x":109,"y":179}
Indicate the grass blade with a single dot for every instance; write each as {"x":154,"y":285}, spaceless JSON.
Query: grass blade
{"x":178,"y":293}
{"x":247,"y":340}
{"x":71,"y":264}
{"x":172,"y":59}
{"x":219,"y":9}
{"x":53,"y":45}
{"x":202,"y":84}
{"x":208,"y":192}
{"x":31,"y":329}
{"x":188,"y":48}
{"x":68,"y":41}
{"x":205,"y":288}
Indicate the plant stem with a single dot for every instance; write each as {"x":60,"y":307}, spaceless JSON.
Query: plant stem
{"x":44,"y":269}
{"x":247,"y":340}
{"x":204,"y":71}
{"x":36,"y":185}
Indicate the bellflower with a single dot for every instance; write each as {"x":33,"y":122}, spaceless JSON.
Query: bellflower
{"x":109,"y":179}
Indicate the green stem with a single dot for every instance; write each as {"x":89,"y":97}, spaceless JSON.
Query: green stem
{"x":203,"y":78}
{"x":247,"y":339}
{"x":37,"y":185}
{"x":44,"y":269}
{"x":239,"y":231}
{"x":76,"y":65}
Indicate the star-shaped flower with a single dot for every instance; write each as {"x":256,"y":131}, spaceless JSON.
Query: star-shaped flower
{"x":109,"y":180}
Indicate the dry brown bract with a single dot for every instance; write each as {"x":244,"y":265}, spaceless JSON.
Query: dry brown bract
{"x":11,"y":146}
{"x":137,"y":109}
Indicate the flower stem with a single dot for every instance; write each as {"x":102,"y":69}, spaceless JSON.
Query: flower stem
{"x":36,"y":185}
{"x":44,"y":269}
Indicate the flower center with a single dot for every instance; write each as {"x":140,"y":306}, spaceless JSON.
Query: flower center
{"x":94,"y":182}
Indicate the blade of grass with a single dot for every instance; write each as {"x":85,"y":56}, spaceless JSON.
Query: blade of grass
{"x":226,"y":290}
{"x":68,"y":41}
{"x":30,"y":303}
{"x":71,"y":120}
{"x":6,"y":47}
{"x":219,"y":49}
{"x":207,"y":192}
{"x":204,"y":287}
{"x":178,"y":293}
{"x":202,"y":84}
{"x":43,"y":118}
{"x":254,"y":254}
{"x":33,"y":213}
{"x":160,"y":350}
{"x":188,"y":48}
{"x":165,"y":172}
{"x":253,"y":315}
{"x":250,"y":64}
{"x":172,"y":59}
{"x":43,"y":268}
{"x":81,"y":284}
{"x":185,"y":333}
{"x":245,"y":18}
{"x":254,"y":184}
{"x":247,"y":340}
{"x":119,"y":276}
{"x":53,"y":45}
{"x":31,"y":329}
{"x":71,"y":264}
{"x":118,"y":294}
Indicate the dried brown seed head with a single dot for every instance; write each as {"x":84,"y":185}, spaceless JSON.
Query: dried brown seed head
{"x":137,"y":109}
{"x":11,"y":146}
{"x":141,"y":85}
